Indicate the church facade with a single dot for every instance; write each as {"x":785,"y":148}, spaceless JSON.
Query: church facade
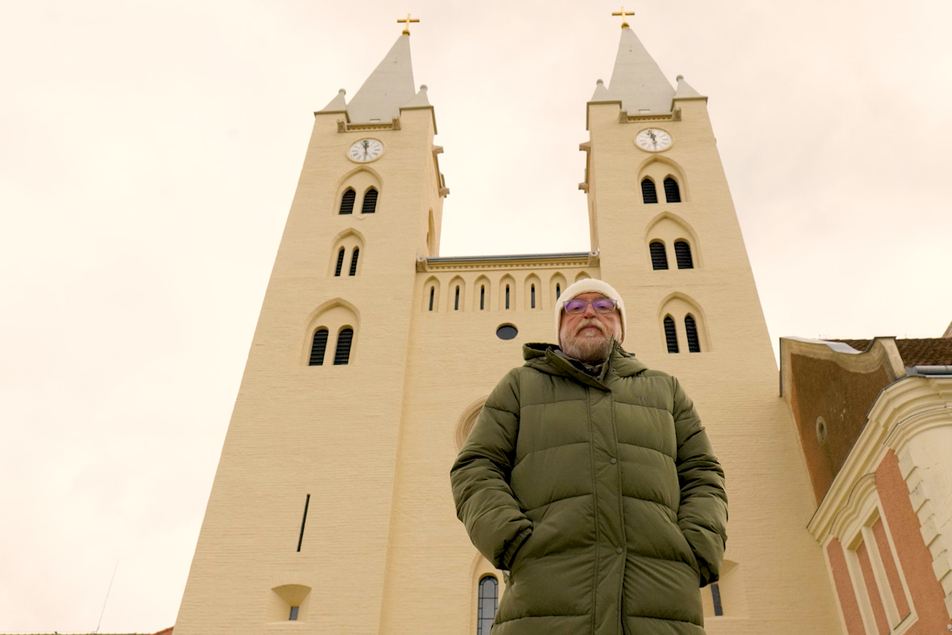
{"x":331,"y":509}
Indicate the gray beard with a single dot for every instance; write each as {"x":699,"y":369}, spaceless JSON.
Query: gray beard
{"x":588,"y":349}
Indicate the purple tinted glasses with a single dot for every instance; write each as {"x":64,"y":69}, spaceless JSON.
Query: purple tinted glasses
{"x":602,"y":305}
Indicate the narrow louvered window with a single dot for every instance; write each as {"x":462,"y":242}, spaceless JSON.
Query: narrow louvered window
{"x":340,"y":262}
{"x":294,"y":613}
{"x":659,"y":258}
{"x":558,"y":291}
{"x":532,"y":300}
{"x":488,"y":602}
{"x":690,"y":329}
{"x":344,"y":339}
{"x":353,"y":261}
{"x":648,"y":193}
{"x":370,"y":202}
{"x":672,"y":193}
{"x":456,"y":300}
{"x":482,"y":297}
{"x":347,"y":202}
{"x":307,"y":501}
{"x":682,"y":252}
{"x":507,"y":296}
{"x":670,"y":335}
{"x":716,"y":597}
{"x":432,"y":294}
{"x":318,"y":346}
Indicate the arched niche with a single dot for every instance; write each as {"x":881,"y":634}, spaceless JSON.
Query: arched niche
{"x":670,"y":228}
{"x":507,"y":293}
{"x":582,"y":275}
{"x":482,"y":294}
{"x":360,"y":180}
{"x":284,"y":597}
{"x":679,"y":306}
{"x":466,"y":421}
{"x":348,"y":240}
{"x":332,"y":315}
{"x":457,"y":294}
{"x":432,"y":246}
{"x":557,"y":285}
{"x":431,"y":295}
{"x":533,"y":291}
{"x":658,"y":168}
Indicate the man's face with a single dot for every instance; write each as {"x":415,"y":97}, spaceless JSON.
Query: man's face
{"x":586,"y":336}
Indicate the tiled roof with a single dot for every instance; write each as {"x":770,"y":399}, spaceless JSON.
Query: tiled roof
{"x":935,"y":351}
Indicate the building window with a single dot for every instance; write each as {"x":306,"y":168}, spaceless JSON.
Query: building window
{"x":659,"y":258}
{"x":318,"y":346}
{"x":344,"y":339}
{"x":340,"y":262}
{"x":488,"y":603}
{"x":307,"y":501}
{"x":456,"y":300}
{"x":532,"y":300}
{"x":353,"y":261}
{"x":672,"y":193}
{"x":558,"y":291}
{"x":482,"y":297}
{"x":670,"y":334}
{"x":432,"y":294}
{"x":648,"y":193}
{"x":370,"y":202}
{"x":690,"y":329}
{"x":716,"y":596}
{"x":347,"y":202}
{"x":294,"y":614}
{"x":682,"y":253}
{"x":507,"y":296}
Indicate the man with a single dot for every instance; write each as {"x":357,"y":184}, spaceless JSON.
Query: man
{"x":591,"y":480}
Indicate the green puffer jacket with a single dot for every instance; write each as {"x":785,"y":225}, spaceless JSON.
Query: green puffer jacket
{"x":601,"y":496}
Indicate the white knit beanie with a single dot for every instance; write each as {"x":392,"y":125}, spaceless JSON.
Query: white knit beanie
{"x":588,"y":285}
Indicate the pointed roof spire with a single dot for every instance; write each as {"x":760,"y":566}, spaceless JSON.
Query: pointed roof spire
{"x":685,"y":91}
{"x":338,"y":104}
{"x":601,"y":93}
{"x":388,"y":87}
{"x":637,"y":80}
{"x":419,"y":100}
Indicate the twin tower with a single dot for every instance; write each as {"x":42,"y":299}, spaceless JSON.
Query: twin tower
{"x":331,"y":510}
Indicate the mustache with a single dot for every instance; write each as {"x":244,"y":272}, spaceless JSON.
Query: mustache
{"x":591,"y":322}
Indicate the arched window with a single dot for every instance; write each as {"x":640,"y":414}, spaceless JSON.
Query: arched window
{"x":370,"y":201}
{"x":690,"y":329}
{"x":670,"y":334}
{"x":682,"y":252}
{"x":456,"y":301}
{"x":558,"y":291}
{"x":344,"y":339}
{"x":347,"y":201}
{"x":672,"y":193}
{"x":318,"y":346}
{"x":488,"y":603}
{"x":659,"y":258}
{"x":507,"y":296}
{"x":432,"y":294}
{"x":340,"y":262}
{"x":482,"y":297}
{"x":532,"y":300}
{"x":353,"y":261}
{"x":648,"y":192}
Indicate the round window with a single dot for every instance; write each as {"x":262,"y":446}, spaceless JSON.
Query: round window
{"x":820,"y":429}
{"x":507,"y":332}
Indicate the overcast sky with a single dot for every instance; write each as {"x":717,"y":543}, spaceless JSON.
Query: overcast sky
{"x":149,"y":152}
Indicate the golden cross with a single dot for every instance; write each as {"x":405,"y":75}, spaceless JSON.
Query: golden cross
{"x":406,"y":28}
{"x":622,"y":13}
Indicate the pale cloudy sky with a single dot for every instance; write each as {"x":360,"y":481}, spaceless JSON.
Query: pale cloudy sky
{"x":149,"y":152}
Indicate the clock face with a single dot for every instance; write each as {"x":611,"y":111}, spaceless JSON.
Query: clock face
{"x":365,"y":150}
{"x":653,"y":140}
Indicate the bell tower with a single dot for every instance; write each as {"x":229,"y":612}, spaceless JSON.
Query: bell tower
{"x":298,"y":520}
{"x":667,"y":236}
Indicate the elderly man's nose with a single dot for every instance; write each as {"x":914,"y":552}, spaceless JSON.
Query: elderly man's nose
{"x":589,"y":310}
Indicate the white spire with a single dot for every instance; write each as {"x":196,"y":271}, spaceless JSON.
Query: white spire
{"x":685,"y":91}
{"x":637,"y":81}
{"x":419,"y":100}
{"x":388,"y":87}
{"x":601,"y":93}
{"x":338,"y":104}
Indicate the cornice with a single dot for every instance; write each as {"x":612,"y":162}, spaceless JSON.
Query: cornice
{"x":344,"y":126}
{"x":525,"y":261}
{"x":674,"y":115}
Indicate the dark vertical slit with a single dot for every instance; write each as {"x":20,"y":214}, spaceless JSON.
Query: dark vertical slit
{"x":307,"y":501}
